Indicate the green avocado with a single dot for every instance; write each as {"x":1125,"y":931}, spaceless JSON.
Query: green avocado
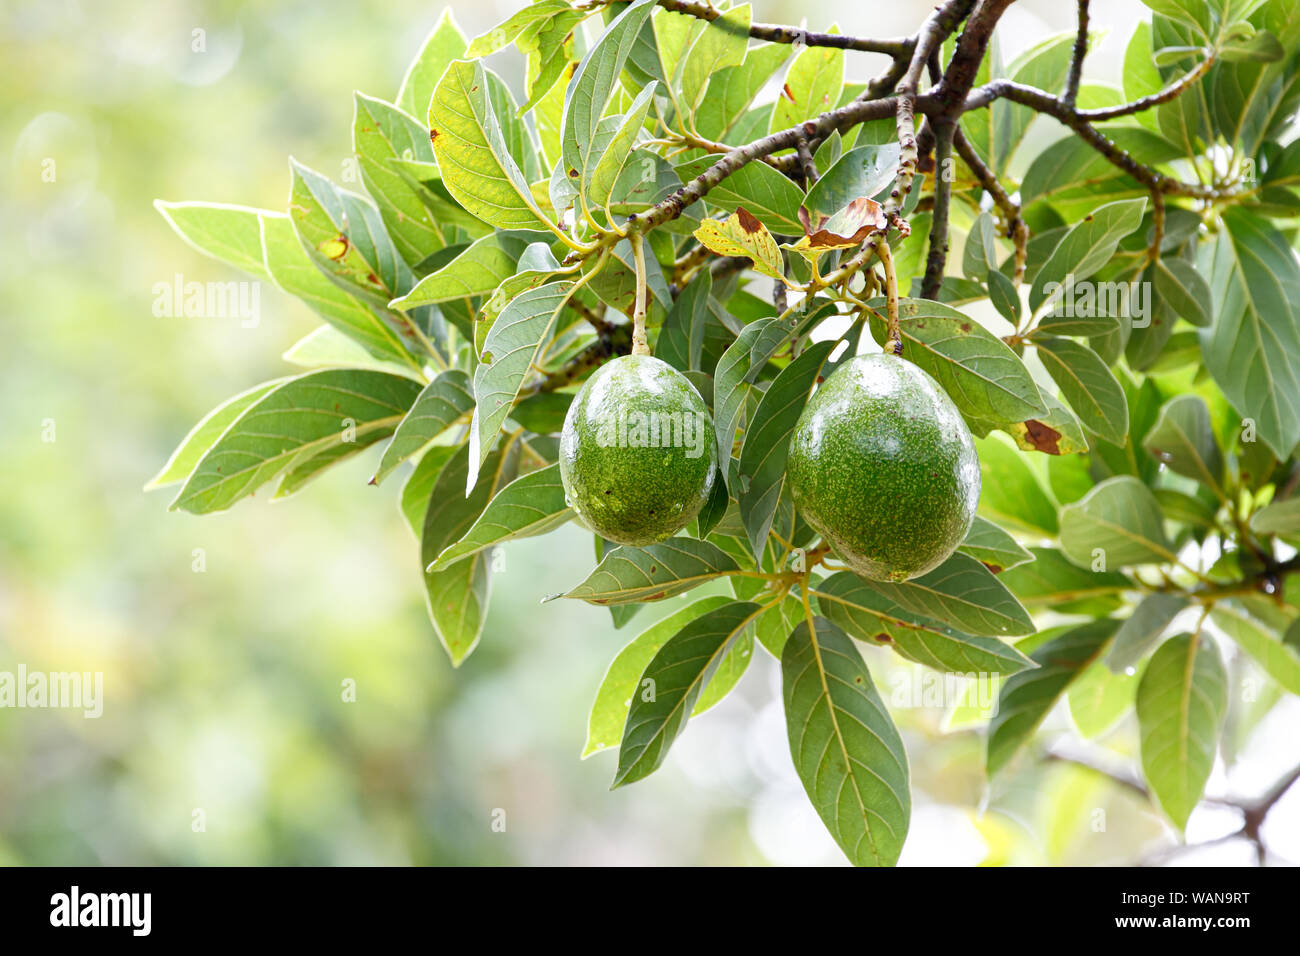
{"x":637,"y":452}
{"x":883,"y":466}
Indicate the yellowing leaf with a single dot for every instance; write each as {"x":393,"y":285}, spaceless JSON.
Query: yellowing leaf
{"x":740,"y":234}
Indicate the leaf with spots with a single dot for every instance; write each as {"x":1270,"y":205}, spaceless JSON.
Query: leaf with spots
{"x":511,"y":348}
{"x":994,"y":548}
{"x":626,"y":575}
{"x":863,"y":612}
{"x":740,"y":234}
{"x":345,"y":237}
{"x":812,"y":86}
{"x":1059,"y":432}
{"x":1181,"y":704}
{"x":528,"y":506}
{"x":1088,"y":385}
{"x":845,"y":747}
{"x":1026,"y":698}
{"x":673,"y":682}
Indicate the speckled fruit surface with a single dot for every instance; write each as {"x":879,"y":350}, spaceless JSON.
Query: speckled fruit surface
{"x":883,"y":466}
{"x":637,"y":453}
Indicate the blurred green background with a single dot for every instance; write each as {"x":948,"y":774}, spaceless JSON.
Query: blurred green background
{"x":223,"y":687}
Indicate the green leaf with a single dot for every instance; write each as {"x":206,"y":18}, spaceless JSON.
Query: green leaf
{"x":1181,"y":704}
{"x":627,"y":575}
{"x":380,"y":133}
{"x":476,"y":271}
{"x":767,"y":440}
{"x":1119,"y":522}
{"x":721,"y":45}
{"x":1087,"y":247}
{"x":528,"y":506}
{"x":733,"y":89}
{"x":672,"y":683}
{"x":982,"y":375}
{"x":862,"y":171}
{"x":993,"y":547}
{"x":327,"y":347}
{"x":203,"y":435}
{"x":477,"y":167}
{"x":294,"y":271}
{"x":1026,"y":698}
{"x":622,"y":679}
{"x":681,"y":339}
{"x":1005,"y":296}
{"x":980,"y":255}
{"x":297,"y":420}
{"x":1277,"y":517}
{"x":844,"y":744}
{"x":593,"y":82}
{"x":444,"y":43}
{"x":414,"y":499}
{"x":1011,"y":494}
{"x":1088,"y":385}
{"x":1099,"y":698}
{"x":526,"y":22}
{"x":605,"y":161}
{"x":863,"y":612}
{"x":1070,"y":170}
{"x":739,"y":365}
{"x":1279,"y":660}
{"x":1052,"y":581}
{"x":229,"y":233}
{"x":1184,"y":291}
{"x":1256,"y":283}
{"x":1183,"y":440}
{"x":442,"y":402}
{"x":1141,"y":629}
{"x":963,"y":593}
{"x":509,"y":351}
{"x":457,"y":597}
{"x":812,"y":86}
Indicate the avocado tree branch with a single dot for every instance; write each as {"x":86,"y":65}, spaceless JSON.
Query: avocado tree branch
{"x":1071,"y":92}
{"x":1052,"y":106}
{"x":937,"y":257}
{"x":897,"y":47}
{"x":1016,"y":229}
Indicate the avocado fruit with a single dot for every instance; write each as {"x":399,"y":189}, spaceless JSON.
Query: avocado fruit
{"x":638,"y":457}
{"x":883,"y":466}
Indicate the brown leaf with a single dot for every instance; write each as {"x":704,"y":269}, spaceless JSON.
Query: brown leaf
{"x":1043,"y":437}
{"x":849,"y":226}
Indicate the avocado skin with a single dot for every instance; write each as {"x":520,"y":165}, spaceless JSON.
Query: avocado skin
{"x":883,"y":466}
{"x":636,"y":495}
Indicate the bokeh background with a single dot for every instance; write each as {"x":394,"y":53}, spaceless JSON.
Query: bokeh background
{"x":223,"y":686}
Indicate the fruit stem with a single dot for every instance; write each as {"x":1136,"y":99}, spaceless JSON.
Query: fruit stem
{"x":894,"y":342}
{"x":639,"y":344}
